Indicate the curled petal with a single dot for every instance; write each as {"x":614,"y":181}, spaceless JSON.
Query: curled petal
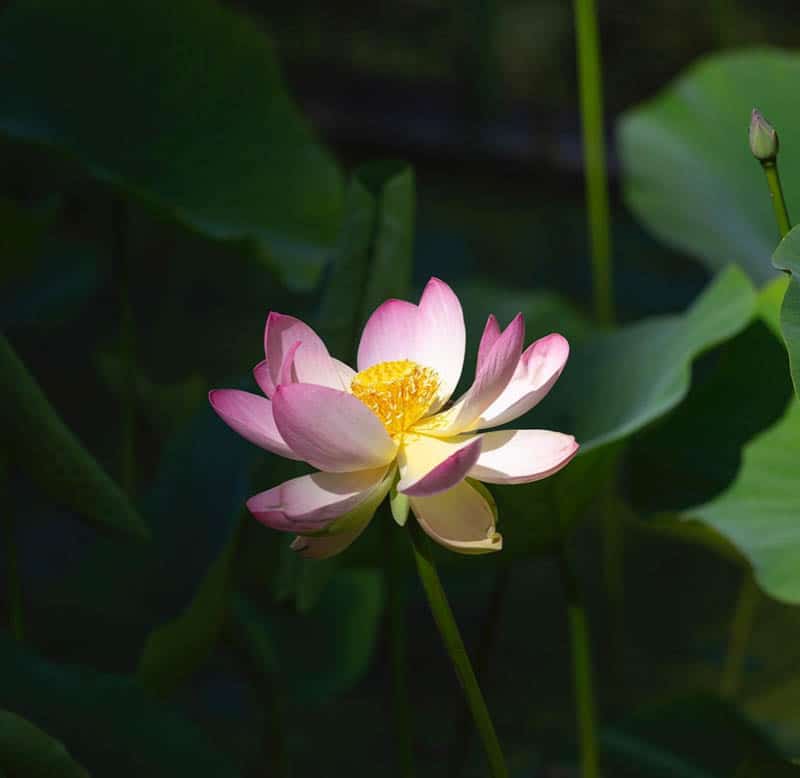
{"x":459,"y":519}
{"x":261,"y":374}
{"x":429,"y":465}
{"x":522,"y":456}
{"x":538,"y":369}
{"x":312,"y":364}
{"x":310,"y":502}
{"x":252,"y":417}
{"x":440,"y":337}
{"x":389,"y":334}
{"x":339,"y":534}
{"x":330,"y":429}
{"x":494,"y":371}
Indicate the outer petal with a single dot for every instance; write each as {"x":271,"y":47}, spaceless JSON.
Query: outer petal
{"x":313,"y":364}
{"x":491,"y":332}
{"x":494,"y":372}
{"x":537,"y":371}
{"x":310,"y":502}
{"x":261,"y":374}
{"x":389,"y":334}
{"x":342,"y":532}
{"x":440,"y":337}
{"x":252,"y":417}
{"x":459,"y":519}
{"x":429,"y":465}
{"x":332,"y":430}
{"x":521,"y":456}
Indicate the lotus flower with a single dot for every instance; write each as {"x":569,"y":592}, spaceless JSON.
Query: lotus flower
{"x":389,"y":427}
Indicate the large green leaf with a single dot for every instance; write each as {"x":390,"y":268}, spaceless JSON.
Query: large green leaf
{"x":180,"y":105}
{"x":107,"y":720}
{"x":787,"y":257}
{"x":27,"y":752}
{"x":618,"y":382}
{"x":759,"y":512}
{"x":688,"y":171}
{"x":41,"y":444}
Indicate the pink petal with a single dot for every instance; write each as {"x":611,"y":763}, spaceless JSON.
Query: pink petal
{"x":459,"y":519}
{"x":491,"y":332}
{"x":440,"y":337}
{"x":288,"y":372}
{"x":537,"y":371}
{"x":429,"y":465}
{"x":261,"y":374}
{"x":332,"y":430}
{"x":346,"y":373}
{"x":308,"y":503}
{"x":313,"y":364}
{"x":389,"y":334}
{"x":252,"y":417}
{"x":492,"y":376}
{"x":521,"y":456}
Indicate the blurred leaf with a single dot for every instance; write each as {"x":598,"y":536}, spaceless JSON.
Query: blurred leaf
{"x":758,"y":513}
{"x":27,"y":752}
{"x":770,"y":298}
{"x":373,"y":257}
{"x":21,"y":233}
{"x":688,"y":171}
{"x":699,"y":737}
{"x":618,"y":382}
{"x":108,"y":720}
{"x":175,"y":650}
{"x":180,"y":106}
{"x":787,"y":257}
{"x":47,"y":450}
{"x":302,"y":581}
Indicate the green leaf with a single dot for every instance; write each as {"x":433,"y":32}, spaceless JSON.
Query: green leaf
{"x":175,"y":650}
{"x":372,"y":261}
{"x":27,"y":752}
{"x":688,"y":171}
{"x":758,"y":513}
{"x":787,"y":257}
{"x":618,"y":382}
{"x":181,"y":107}
{"x":116,"y":727}
{"x":42,"y":445}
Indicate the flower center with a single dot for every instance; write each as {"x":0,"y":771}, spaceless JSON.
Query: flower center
{"x":398,"y":393}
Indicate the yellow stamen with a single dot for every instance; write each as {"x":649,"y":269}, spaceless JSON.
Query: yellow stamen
{"x":398,"y":393}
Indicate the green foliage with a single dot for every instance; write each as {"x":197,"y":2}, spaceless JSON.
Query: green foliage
{"x":39,"y":442}
{"x":787,"y":257}
{"x":27,"y":752}
{"x":181,"y":107}
{"x":108,"y":719}
{"x":758,"y":513}
{"x":689,"y":174}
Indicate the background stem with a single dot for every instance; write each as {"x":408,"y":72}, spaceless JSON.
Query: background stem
{"x":594,"y":153}
{"x":741,"y":629}
{"x":127,"y":340}
{"x":443,"y":616}
{"x":401,"y":707}
{"x":581,"y":671}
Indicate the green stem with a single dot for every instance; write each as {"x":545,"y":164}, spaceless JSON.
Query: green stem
{"x":127,"y":335}
{"x":594,"y":152}
{"x":741,"y":629}
{"x":401,"y":707}
{"x":13,"y":579}
{"x":581,"y":672}
{"x":448,"y":629}
{"x":459,"y":752}
{"x":614,"y":576}
{"x":776,"y":195}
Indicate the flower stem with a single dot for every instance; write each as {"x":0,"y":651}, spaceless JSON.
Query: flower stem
{"x":448,"y":629}
{"x":741,"y":629}
{"x":13,"y":580}
{"x":594,"y":152}
{"x":127,"y":335}
{"x":776,"y":195}
{"x":581,"y":671}
{"x":401,"y":707}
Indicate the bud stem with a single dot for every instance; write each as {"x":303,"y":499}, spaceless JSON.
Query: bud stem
{"x":448,"y":629}
{"x":776,"y":195}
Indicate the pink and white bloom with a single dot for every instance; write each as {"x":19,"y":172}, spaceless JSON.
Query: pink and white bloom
{"x":388,"y":426}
